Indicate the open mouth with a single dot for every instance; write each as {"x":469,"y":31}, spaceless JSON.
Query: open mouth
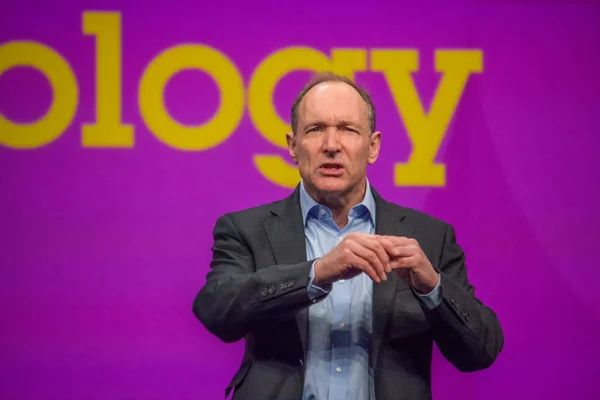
{"x":333,"y":169}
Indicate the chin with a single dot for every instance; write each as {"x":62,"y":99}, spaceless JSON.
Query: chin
{"x":331,"y":185}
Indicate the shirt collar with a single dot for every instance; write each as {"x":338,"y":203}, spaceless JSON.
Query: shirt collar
{"x":311,"y":208}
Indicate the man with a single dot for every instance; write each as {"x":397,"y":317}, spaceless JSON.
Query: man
{"x":339,"y":293}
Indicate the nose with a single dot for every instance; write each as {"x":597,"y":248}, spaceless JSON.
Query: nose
{"x":331,"y":142}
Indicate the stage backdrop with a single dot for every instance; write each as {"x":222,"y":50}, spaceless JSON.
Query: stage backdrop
{"x":127,"y":129}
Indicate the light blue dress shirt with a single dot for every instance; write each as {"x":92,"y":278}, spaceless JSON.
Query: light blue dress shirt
{"x":340,"y":324}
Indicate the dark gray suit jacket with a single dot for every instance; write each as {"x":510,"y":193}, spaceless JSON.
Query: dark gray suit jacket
{"x":257,"y":290}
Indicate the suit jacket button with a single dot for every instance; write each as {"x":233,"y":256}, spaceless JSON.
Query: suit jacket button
{"x":264,"y":292}
{"x":271,"y":289}
{"x":283,"y":286}
{"x":291,"y":283}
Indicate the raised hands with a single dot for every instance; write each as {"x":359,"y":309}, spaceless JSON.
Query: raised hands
{"x":376,"y":256}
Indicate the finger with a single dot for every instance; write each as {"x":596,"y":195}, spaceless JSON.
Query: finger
{"x":371,"y":257}
{"x":405,"y":251}
{"x":376,"y":246}
{"x":400,"y":241}
{"x":360,"y":263}
{"x":383,"y":258}
{"x":387,"y":245}
{"x":404,"y":262}
{"x":400,"y":247}
{"x":372,"y":243}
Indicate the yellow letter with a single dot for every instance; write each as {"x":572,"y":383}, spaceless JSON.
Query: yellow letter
{"x":426,"y":131}
{"x":227,"y":78}
{"x":108,"y":131}
{"x":65,"y":95}
{"x":260,"y":99}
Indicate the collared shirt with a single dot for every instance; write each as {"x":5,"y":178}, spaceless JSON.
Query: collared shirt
{"x":340,"y":325}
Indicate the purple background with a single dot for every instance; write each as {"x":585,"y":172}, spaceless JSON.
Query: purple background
{"x":103,"y":250}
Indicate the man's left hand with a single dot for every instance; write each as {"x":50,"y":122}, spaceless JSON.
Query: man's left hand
{"x":409,"y":262}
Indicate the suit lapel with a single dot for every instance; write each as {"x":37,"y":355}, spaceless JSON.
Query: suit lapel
{"x":389,"y":221}
{"x":285,"y":233}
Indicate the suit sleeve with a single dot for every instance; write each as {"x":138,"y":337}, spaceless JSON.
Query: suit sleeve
{"x":236,"y":297}
{"x":467,"y":332}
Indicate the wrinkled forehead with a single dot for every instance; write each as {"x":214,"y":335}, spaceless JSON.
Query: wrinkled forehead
{"x":333,"y":102}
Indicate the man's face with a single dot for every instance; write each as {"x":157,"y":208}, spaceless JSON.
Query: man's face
{"x":333,"y":144}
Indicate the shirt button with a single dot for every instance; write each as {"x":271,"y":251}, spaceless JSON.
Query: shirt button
{"x":342,"y":280}
{"x":342,"y":325}
{"x":339,"y":369}
{"x":322,"y":212}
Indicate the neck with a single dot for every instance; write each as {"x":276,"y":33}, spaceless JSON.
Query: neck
{"x":340,"y":203}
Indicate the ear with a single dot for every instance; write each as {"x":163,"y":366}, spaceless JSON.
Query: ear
{"x":374,"y":145}
{"x":291,"y":143}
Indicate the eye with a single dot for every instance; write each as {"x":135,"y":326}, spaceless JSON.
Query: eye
{"x":314,"y":129}
{"x":349,"y":129}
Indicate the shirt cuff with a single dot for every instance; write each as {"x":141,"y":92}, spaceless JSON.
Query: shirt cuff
{"x":432,"y":299}
{"x":315,"y":291}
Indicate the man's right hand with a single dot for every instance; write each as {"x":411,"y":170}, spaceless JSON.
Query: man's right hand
{"x":356,"y":253}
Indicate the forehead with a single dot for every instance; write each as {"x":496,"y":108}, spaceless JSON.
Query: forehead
{"x":333,"y":102}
